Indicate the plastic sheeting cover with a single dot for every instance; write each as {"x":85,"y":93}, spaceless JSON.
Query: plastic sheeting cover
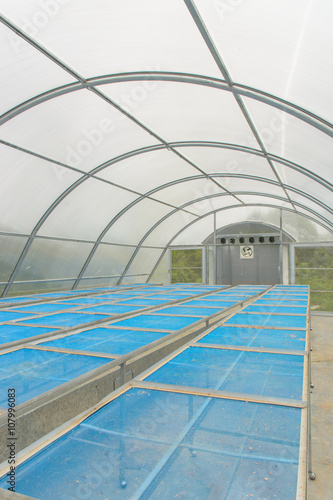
{"x":138,"y":96}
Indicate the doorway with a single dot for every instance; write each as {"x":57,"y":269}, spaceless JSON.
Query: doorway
{"x":248,"y":263}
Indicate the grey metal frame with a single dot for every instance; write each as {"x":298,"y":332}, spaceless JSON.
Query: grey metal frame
{"x":93,"y":172}
{"x":213,"y":50}
{"x":199,"y":218}
{"x":235,"y":147}
{"x":242,"y":90}
{"x":227,"y":84}
{"x":140,"y":245}
{"x":210,"y":213}
{"x":220,"y":210}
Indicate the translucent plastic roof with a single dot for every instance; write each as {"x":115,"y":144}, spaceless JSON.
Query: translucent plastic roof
{"x":125,"y":125}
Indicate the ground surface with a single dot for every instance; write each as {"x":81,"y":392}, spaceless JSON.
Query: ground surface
{"x":322,"y":408}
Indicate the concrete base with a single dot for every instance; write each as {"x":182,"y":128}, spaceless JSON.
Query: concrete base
{"x":322,"y":408}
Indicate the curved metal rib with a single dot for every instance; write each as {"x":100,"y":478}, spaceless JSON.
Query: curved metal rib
{"x":285,"y":209}
{"x":242,"y":90}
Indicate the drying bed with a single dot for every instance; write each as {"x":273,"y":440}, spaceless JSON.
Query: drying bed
{"x":90,"y":348}
{"x":153,"y":444}
{"x":108,"y":340}
{"x":32,"y":372}
{"x":224,"y":416}
{"x":123,"y":335}
{"x":35,"y":315}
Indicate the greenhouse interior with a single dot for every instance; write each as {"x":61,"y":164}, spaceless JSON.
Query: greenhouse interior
{"x":166,"y":249}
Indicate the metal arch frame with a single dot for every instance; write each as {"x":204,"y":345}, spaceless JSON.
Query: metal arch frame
{"x":215,"y":211}
{"x":52,"y":208}
{"x":286,"y":209}
{"x":215,"y":55}
{"x":148,"y":149}
{"x":83,"y":83}
{"x":134,"y":202}
{"x":287,"y":186}
{"x":98,"y":93}
{"x":178,"y":181}
{"x":220,"y":145}
{"x":256,"y":152}
{"x":92,"y":174}
{"x":74,"y":185}
{"x":240,"y":192}
{"x":207,"y":81}
{"x":228,"y":84}
{"x":225,"y":73}
{"x":164,"y":249}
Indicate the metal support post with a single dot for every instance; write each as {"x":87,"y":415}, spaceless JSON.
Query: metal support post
{"x":292,"y":264}
{"x":281,"y":251}
{"x":215,"y":251}
{"x":312,"y":475}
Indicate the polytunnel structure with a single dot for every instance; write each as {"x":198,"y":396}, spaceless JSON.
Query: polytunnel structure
{"x":164,"y":164}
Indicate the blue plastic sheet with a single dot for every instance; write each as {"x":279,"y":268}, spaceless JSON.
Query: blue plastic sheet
{"x":257,"y":337}
{"x":44,"y":308}
{"x":276,"y":375}
{"x":117,"y":342}
{"x":187,"y":311}
{"x":156,"y":322}
{"x":164,"y":445}
{"x":286,"y":295}
{"x":13,"y":316}
{"x":112,"y":309}
{"x":66,"y":319}
{"x":217,"y":304}
{"x":145,"y":301}
{"x":10,"y":333}
{"x":268,"y":320}
{"x":9,"y":300}
{"x":113,"y":296}
{"x":87,"y":301}
{"x":281,"y":301}
{"x":275,"y":309}
{"x":53,"y":295}
{"x":167,"y":297}
{"x":32,"y":372}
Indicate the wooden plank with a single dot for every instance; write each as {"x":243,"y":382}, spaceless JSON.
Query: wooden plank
{"x":72,"y":351}
{"x":213,"y":393}
{"x":303,"y":458}
{"x":249,"y":349}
